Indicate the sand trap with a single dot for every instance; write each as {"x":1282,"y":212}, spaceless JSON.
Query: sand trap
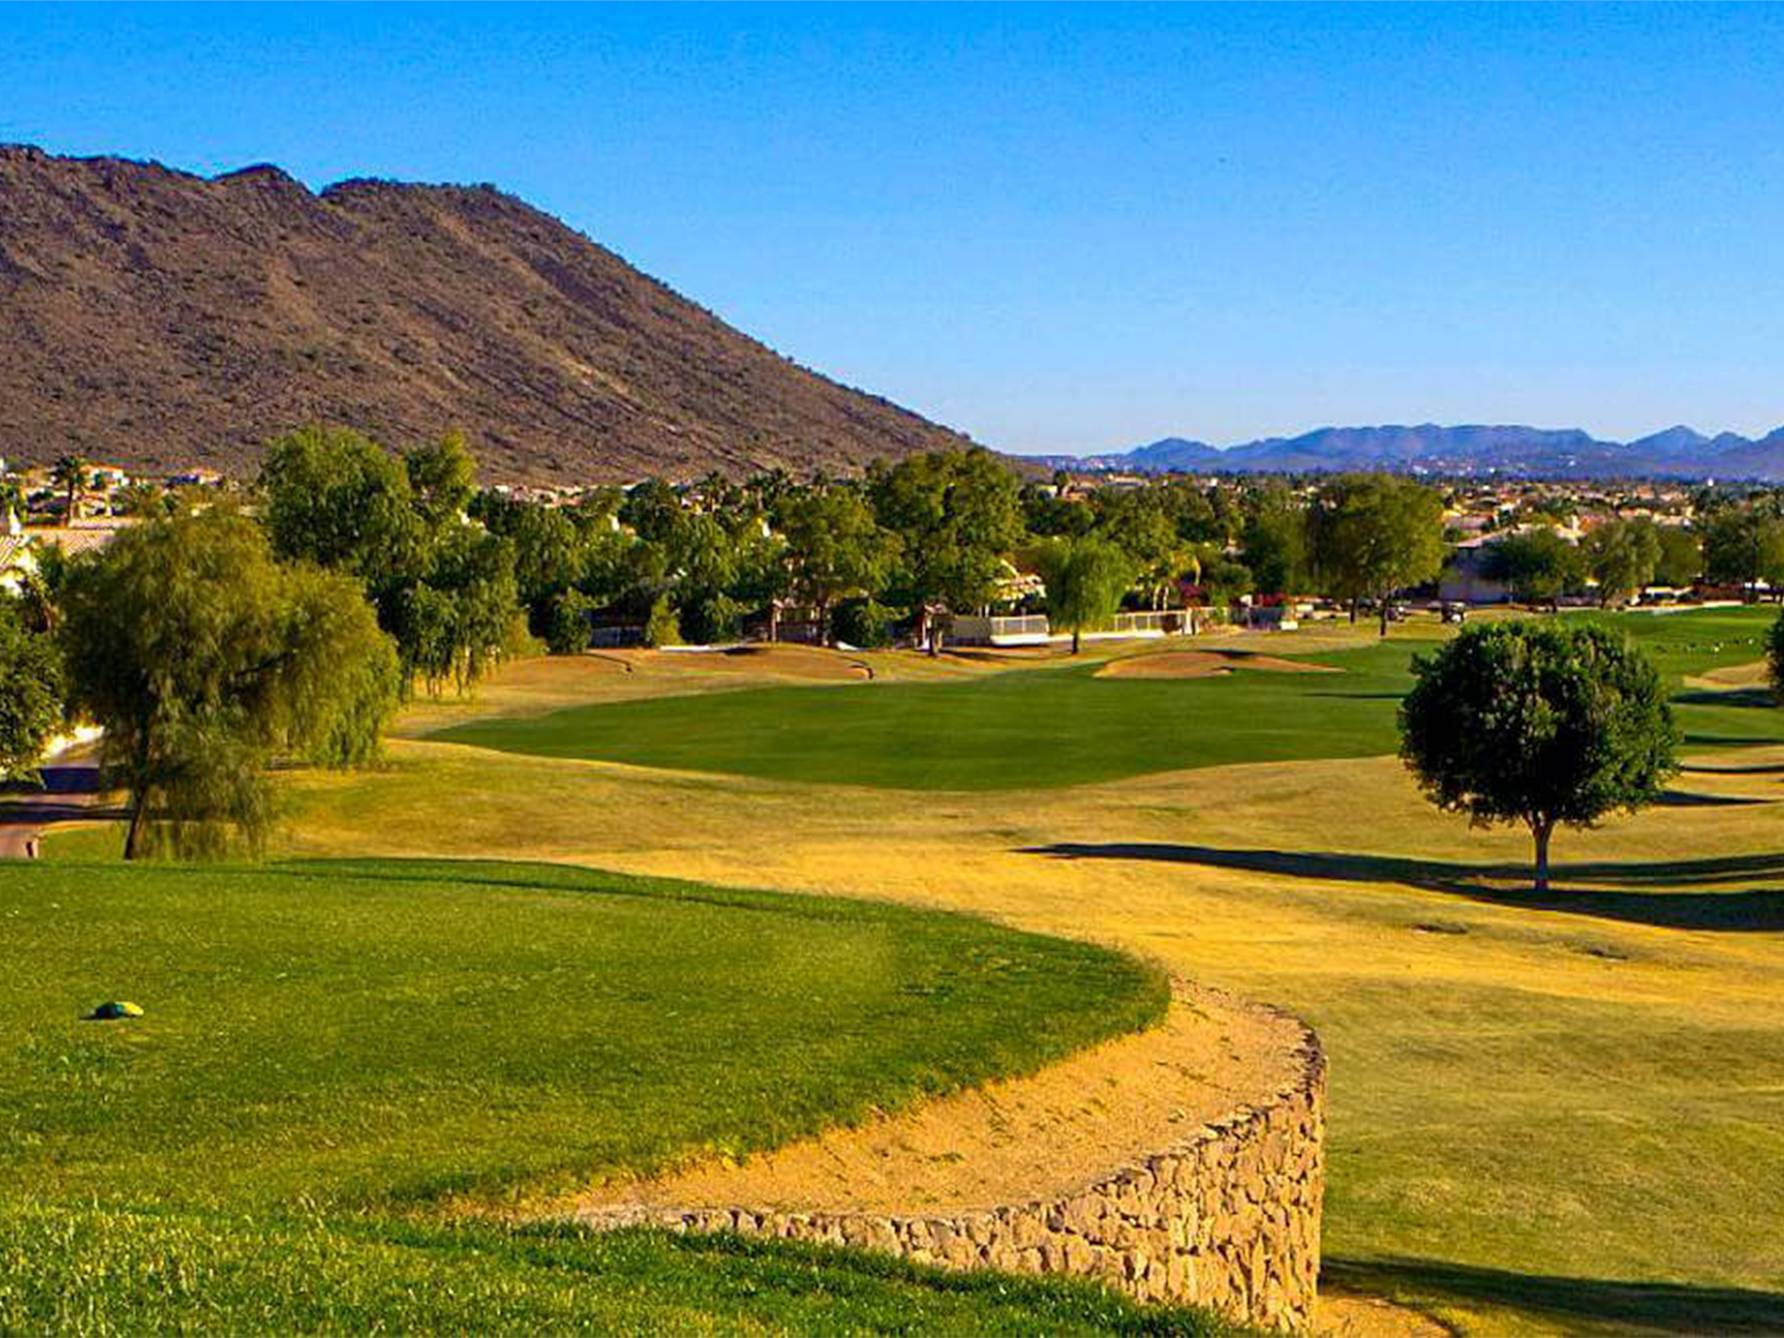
{"x":1205,"y":664}
{"x":777,"y":661}
{"x":1016,"y":1140}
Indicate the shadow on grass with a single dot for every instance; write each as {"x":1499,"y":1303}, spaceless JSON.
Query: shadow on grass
{"x":1574,"y":1302}
{"x":1747,"y":911}
{"x":1685,"y":799}
{"x":1742,"y":697}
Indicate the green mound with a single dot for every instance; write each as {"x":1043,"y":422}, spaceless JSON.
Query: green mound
{"x":332,"y":1047}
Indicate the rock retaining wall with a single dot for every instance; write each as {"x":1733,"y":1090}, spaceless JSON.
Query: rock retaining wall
{"x":1228,"y":1218}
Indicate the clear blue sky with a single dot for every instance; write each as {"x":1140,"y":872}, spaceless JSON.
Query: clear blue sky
{"x":1064,"y":228}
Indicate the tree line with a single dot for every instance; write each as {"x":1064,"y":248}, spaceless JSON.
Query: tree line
{"x":224,"y":632}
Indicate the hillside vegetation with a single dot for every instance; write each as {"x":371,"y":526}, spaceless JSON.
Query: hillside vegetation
{"x":159,"y":319}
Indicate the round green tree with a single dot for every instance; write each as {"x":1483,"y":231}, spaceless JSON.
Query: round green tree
{"x":30,"y":694}
{"x":1540,"y":723}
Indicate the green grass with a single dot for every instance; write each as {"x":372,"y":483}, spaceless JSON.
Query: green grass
{"x":332,"y":1048}
{"x":1061,"y":727}
{"x":106,"y":1271}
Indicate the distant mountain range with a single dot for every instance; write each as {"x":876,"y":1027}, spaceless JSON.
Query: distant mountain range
{"x":1525,"y":452}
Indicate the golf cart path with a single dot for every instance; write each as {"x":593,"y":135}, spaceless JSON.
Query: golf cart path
{"x":70,"y":793}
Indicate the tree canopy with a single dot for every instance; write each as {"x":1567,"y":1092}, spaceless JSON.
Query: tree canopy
{"x":1371,"y":535}
{"x":957,"y":515}
{"x":1538,"y":722}
{"x":1537,"y":565}
{"x":834,"y":547}
{"x":1622,"y":556}
{"x":204,"y":659}
{"x":30,"y":693}
{"x":1085,"y":580}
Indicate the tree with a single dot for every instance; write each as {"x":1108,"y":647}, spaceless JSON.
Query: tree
{"x":1681,"y":555}
{"x":70,"y":474}
{"x":1774,"y":656}
{"x":442,"y":478}
{"x":833,"y":546}
{"x":30,"y":694}
{"x":1744,"y":545}
{"x":1622,"y":557}
{"x":1137,"y":522}
{"x":957,"y":515}
{"x":1275,"y":538}
{"x":442,"y":585}
{"x":1538,"y":722}
{"x":1538,"y":566}
{"x":1371,"y":535}
{"x":204,"y":659}
{"x":337,"y":498}
{"x":1085,"y":581}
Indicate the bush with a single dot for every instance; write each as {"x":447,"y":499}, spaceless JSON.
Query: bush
{"x":567,"y":624}
{"x":662,"y":628}
{"x":864,"y":623}
{"x":710,"y":621}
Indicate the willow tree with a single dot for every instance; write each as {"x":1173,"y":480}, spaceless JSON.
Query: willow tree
{"x":1540,"y":723}
{"x":205,"y":659}
{"x":1085,"y":580}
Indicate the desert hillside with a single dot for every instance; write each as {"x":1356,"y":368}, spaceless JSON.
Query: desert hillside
{"x":161,"y":319}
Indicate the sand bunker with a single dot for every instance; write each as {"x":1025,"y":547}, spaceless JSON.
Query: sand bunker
{"x":773,"y":661}
{"x":1206,"y":664}
{"x":1015,"y":1140}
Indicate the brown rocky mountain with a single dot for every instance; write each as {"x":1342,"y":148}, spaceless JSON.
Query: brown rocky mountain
{"x":158,"y":319}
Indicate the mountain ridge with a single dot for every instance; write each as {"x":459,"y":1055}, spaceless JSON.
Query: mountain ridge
{"x":1678,"y":452}
{"x":162,"y":319}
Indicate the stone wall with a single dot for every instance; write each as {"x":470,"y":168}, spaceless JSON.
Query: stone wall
{"x":1228,"y":1217}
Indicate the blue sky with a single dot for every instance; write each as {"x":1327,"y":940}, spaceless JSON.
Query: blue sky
{"x":1063,"y":228}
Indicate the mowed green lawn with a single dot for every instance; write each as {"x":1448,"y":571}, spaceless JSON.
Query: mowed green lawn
{"x":1058,"y":727}
{"x":336,"y":1054}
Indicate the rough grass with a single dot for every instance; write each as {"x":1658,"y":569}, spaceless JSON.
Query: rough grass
{"x":91,"y":1271}
{"x":1053,"y":727}
{"x":328,"y":1047}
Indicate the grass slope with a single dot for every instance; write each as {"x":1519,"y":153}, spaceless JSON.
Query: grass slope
{"x":1058,"y":727}
{"x":330,"y":1048}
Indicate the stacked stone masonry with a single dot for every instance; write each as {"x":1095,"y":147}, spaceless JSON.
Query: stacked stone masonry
{"x":1228,"y":1218}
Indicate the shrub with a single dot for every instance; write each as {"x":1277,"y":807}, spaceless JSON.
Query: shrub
{"x":567,"y":624}
{"x":662,"y":628}
{"x":864,"y":622}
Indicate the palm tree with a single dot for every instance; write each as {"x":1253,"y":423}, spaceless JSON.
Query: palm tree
{"x":70,"y":473}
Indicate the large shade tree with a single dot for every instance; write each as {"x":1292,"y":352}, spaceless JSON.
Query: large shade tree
{"x":1539,"y":723}
{"x":1085,"y":580}
{"x":958,"y":514}
{"x":1372,"y":535}
{"x":440,"y":582}
{"x":30,"y":692}
{"x":204,"y":659}
{"x":1537,"y":565}
{"x":834,"y":547}
{"x":1622,"y":556}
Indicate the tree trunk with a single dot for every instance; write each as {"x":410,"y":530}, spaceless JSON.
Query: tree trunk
{"x":773,"y":620}
{"x":133,"y":834}
{"x":1542,"y":831}
{"x":1384,"y":615}
{"x":1353,"y":611}
{"x":1076,"y":638}
{"x":823,"y":622}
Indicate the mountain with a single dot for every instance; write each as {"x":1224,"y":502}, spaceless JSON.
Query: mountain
{"x":158,"y":319}
{"x":1677,"y":452}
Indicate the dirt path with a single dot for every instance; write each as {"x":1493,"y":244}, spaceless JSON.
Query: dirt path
{"x":70,"y":792}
